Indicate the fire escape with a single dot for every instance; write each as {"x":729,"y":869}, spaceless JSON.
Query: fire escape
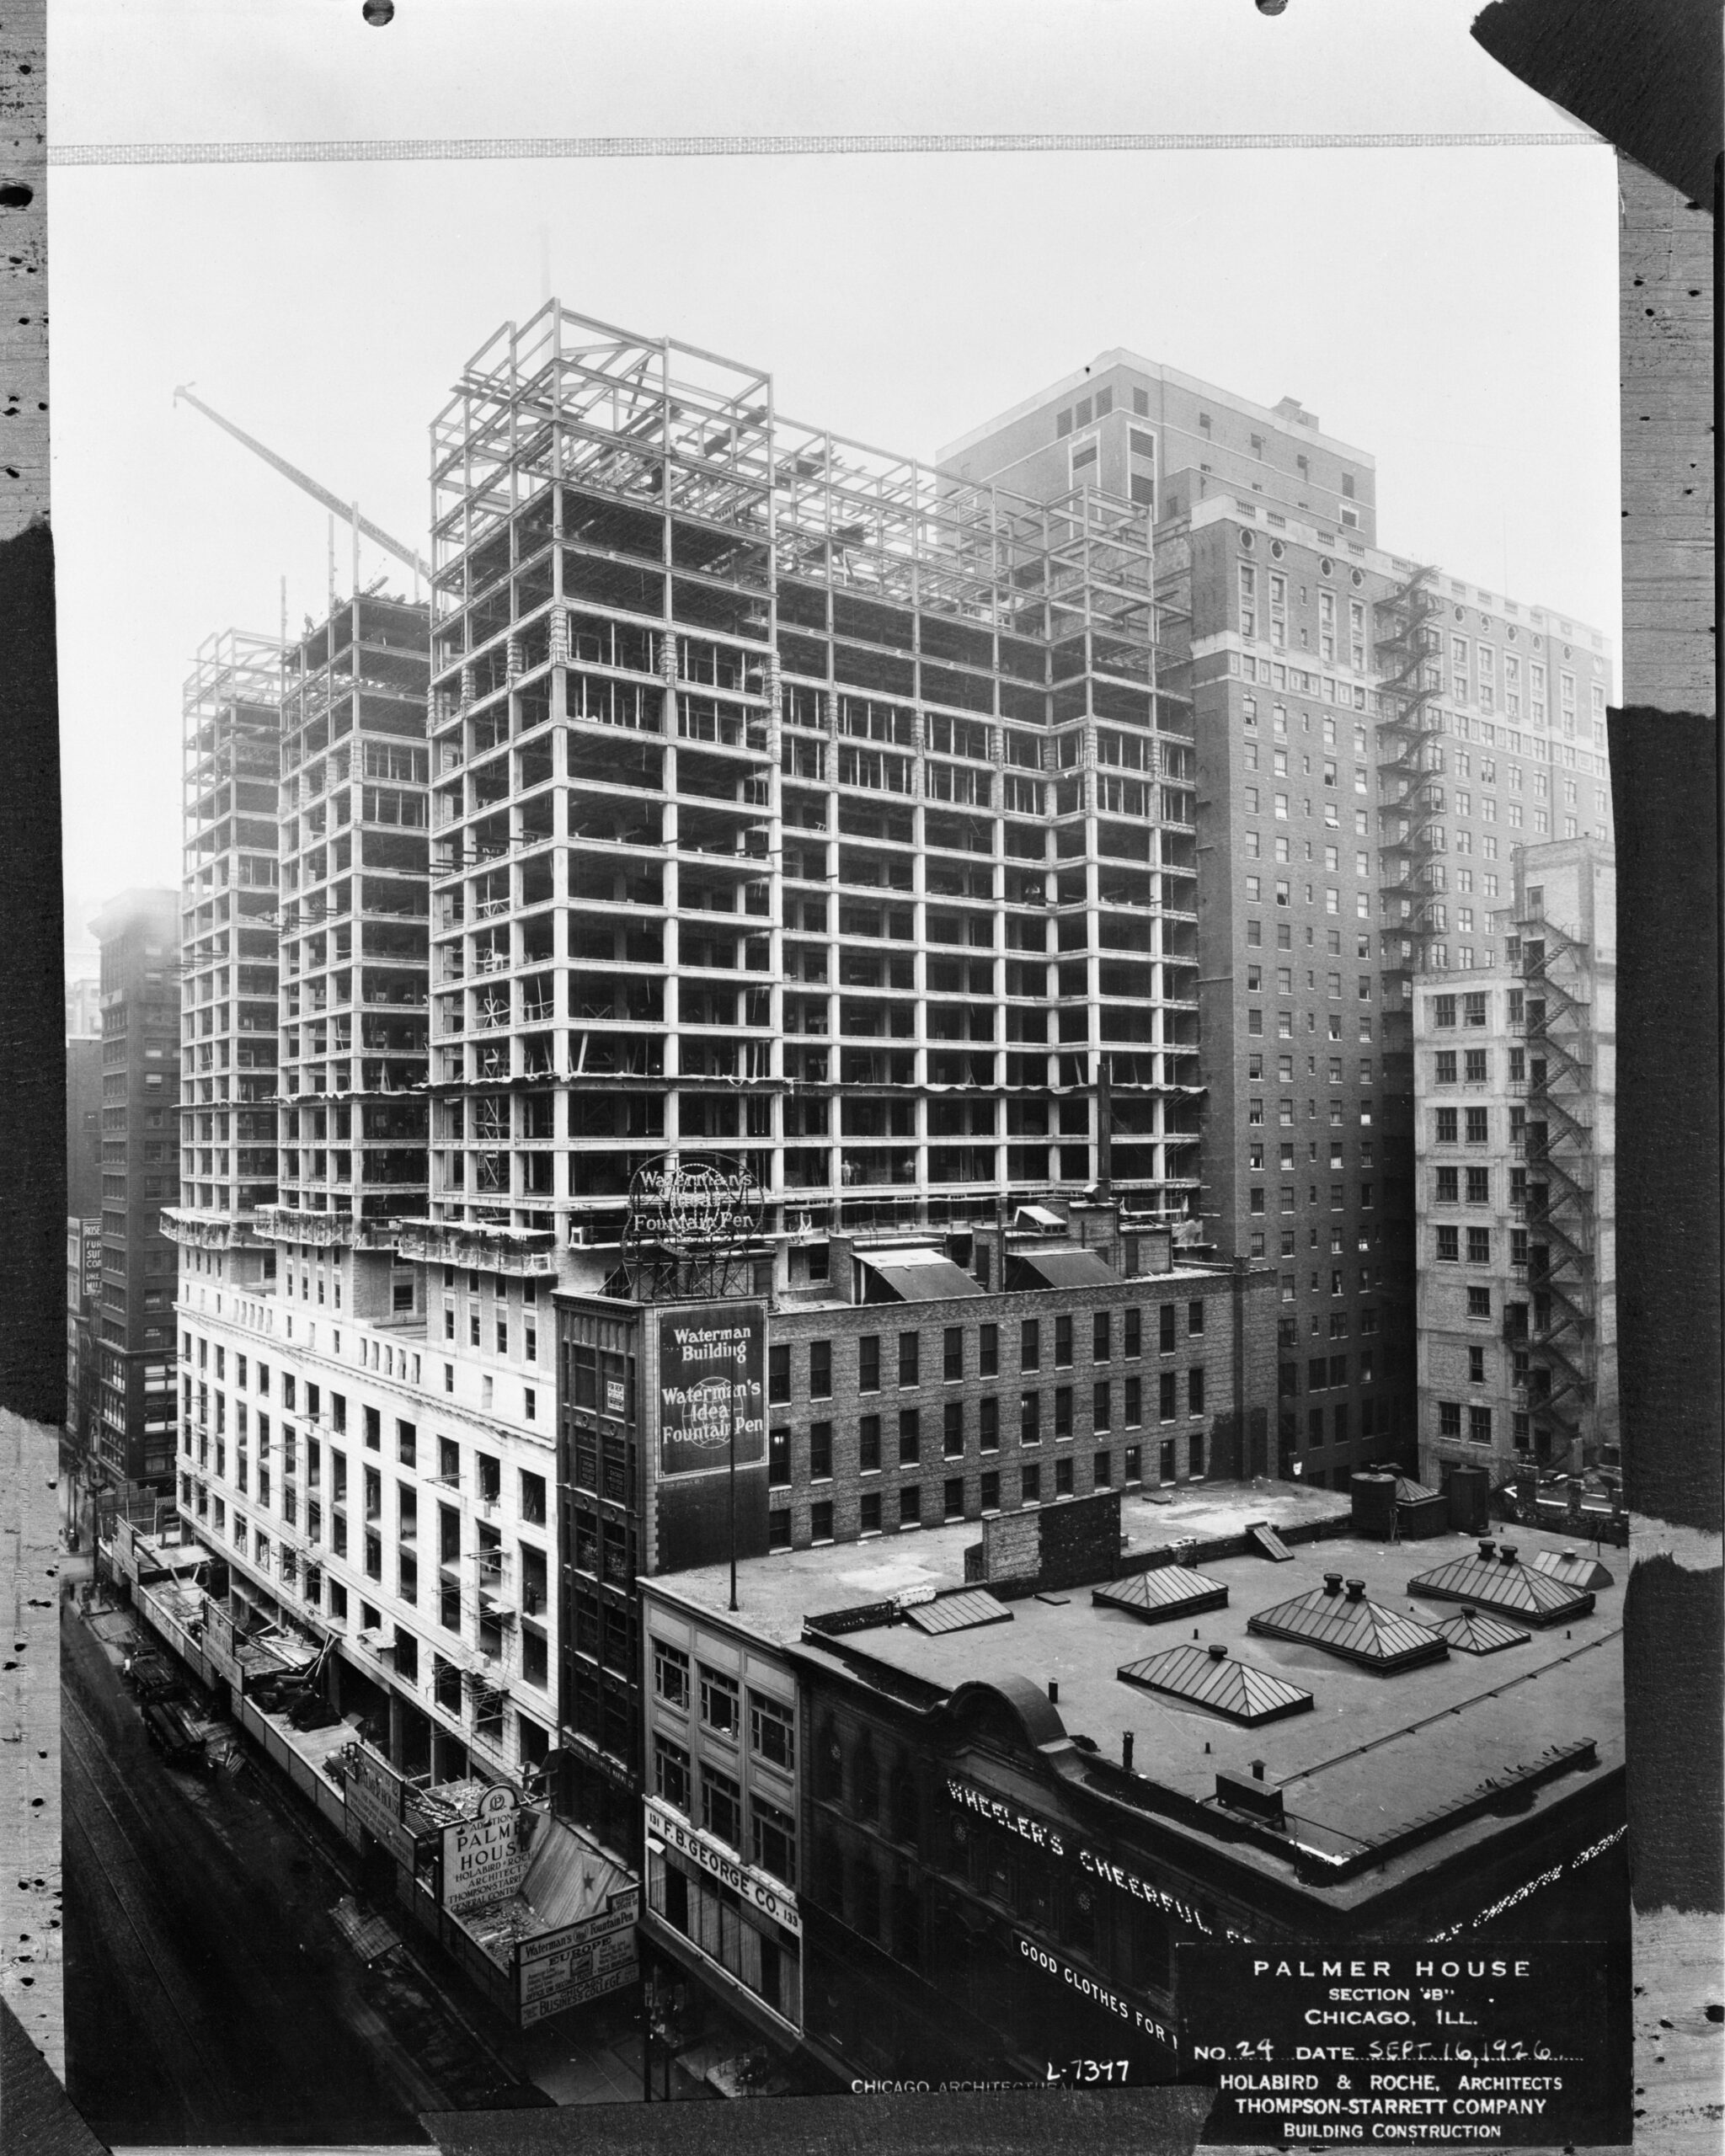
{"x":1410,"y":793}
{"x":1411,"y":881}
{"x":1561,"y":1193}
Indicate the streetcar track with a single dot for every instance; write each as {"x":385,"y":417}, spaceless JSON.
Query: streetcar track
{"x":410,"y":2083}
{"x":125,"y":1902}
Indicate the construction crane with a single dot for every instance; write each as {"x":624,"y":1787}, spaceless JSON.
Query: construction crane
{"x":347,"y":511}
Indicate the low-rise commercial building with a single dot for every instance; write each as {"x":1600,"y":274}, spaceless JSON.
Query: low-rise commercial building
{"x":1029,"y":1772}
{"x":908,"y":1382}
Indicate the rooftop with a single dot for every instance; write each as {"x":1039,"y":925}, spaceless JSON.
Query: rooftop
{"x":776,"y":1592}
{"x":1384,"y":1757}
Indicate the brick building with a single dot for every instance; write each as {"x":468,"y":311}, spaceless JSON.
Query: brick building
{"x":133,"y":1436}
{"x":897,"y":1394}
{"x":1516,"y":1146}
{"x":1025,"y":1773}
{"x":1369,"y":734}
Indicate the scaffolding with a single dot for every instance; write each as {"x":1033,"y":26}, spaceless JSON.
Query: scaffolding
{"x":877,"y":826}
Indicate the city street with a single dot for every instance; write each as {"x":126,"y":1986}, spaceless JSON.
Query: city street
{"x":210,"y":1995}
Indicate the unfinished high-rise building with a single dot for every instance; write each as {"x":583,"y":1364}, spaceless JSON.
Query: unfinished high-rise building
{"x":794,"y":801}
{"x":228,"y":949}
{"x":354,"y":901}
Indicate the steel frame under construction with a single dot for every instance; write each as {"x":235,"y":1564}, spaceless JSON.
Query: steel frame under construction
{"x":789,"y":799}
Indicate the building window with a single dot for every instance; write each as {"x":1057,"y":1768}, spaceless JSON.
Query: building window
{"x":1446,"y":1125}
{"x":1478,"y":1128}
{"x":670,"y":1774}
{"x":779,"y":1458}
{"x":1030,"y":1485}
{"x":909,"y":1436}
{"x":1479,"y":1302}
{"x":1102,"y":1405}
{"x":1168,"y":1403}
{"x":722,"y":1808}
{"x":868,"y":1521}
{"x":1442,"y":1010}
{"x":1448,"y":1418}
{"x":1194,"y":1391}
{"x":868,"y":1443}
{"x":952,"y":1354}
{"x":1479,"y":1425}
{"x":721,"y":1703}
{"x":991,"y":1490}
{"x":1449,"y":1246}
{"x":1030,"y":1418}
{"x":671,"y":1675}
{"x":778,"y":1372}
{"x":772,"y":1732}
{"x":820,"y":1521}
{"x":988,"y":1351}
{"x":869,"y":1363}
{"x":952,"y":1427}
{"x":775,"y":1840}
{"x":988,"y":1423}
{"x":1029,"y":1345}
{"x":820,"y":1369}
{"x":910,"y":1506}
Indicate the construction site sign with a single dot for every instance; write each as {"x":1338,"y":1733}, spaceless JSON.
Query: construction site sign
{"x":484,"y":1859}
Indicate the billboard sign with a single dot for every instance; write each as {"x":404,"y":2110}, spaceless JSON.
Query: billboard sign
{"x":579,"y":1961}
{"x":711,"y":1391}
{"x":691,"y":1205}
{"x":485,"y":1857}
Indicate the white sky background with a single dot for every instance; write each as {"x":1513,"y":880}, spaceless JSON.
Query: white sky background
{"x":1453,"y":312}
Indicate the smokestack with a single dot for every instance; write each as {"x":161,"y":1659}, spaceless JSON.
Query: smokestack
{"x":1126,"y":1749}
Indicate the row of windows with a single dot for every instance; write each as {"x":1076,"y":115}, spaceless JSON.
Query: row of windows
{"x":954,"y":1430}
{"x":1034,"y":1335}
{"x":902,"y":1506}
{"x":772,"y":1729}
{"x":770,"y":1842}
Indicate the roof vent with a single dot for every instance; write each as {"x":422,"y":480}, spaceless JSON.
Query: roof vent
{"x":1356,"y":1590}
{"x":1507,"y":1553}
{"x":1333,"y":1582}
{"x":1487,"y":1549}
{"x":1218,"y":1652}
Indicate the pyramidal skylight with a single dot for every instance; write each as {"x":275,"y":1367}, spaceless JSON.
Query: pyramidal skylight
{"x":1349,"y":1624}
{"x":1492,"y":1579}
{"x":1210,"y":1676}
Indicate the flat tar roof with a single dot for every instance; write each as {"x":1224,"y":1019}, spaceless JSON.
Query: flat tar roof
{"x":1377,"y":1755}
{"x":776,"y":1592}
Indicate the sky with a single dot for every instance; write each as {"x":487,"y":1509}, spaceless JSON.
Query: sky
{"x":1451,"y":310}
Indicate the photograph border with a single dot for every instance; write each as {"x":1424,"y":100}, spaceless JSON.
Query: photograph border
{"x":1662,"y":116}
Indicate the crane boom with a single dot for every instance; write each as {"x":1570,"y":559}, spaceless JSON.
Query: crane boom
{"x":374,"y":533}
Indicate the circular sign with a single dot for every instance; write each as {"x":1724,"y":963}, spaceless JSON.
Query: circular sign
{"x":689,"y":1204}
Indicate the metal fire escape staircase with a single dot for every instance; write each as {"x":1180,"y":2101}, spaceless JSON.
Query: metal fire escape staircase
{"x":1561,"y":1193}
{"x":1410,"y":677}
